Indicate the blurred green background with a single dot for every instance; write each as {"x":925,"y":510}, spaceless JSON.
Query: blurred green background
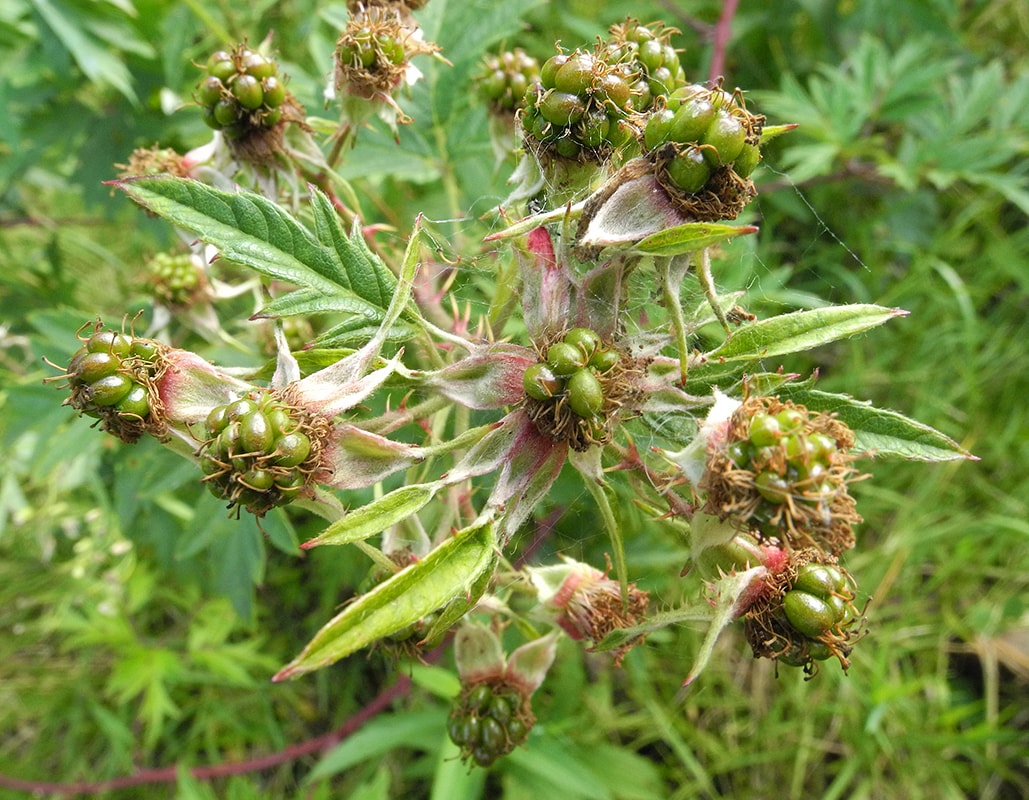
{"x":139,"y":626}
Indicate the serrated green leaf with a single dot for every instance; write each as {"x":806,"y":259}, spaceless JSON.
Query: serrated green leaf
{"x":251,"y":230}
{"x":312,"y":301}
{"x":881,"y":432}
{"x":688,"y":238}
{"x":447,"y":572}
{"x":801,"y":330}
{"x":354,"y":331}
{"x":378,"y":515}
{"x":362,"y":267}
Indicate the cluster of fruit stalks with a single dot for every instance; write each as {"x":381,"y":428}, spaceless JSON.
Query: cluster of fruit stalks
{"x":772,"y":474}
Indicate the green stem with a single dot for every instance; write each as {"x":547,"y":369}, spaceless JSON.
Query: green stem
{"x":708,"y":282}
{"x":670,"y":292}
{"x":614,"y":531}
{"x":376,"y":555}
{"x":445,"y":335}
{"x":395,"y":420}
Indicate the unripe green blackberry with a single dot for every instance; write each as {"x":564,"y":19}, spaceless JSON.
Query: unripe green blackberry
{"x":574,"y":393}
{"x":259,"y":452}
{"x":696,"y":141}
{"x":368,"y":50}
{"x":689,"y":170}
{"x":112,"y":377}
{"x":488,"y":721}
{"x":806,"y":614}
{"x":540,"y":382}
{"x":176,"y":279}
{"x":576,"y":108}
{"x":585,"y":340}
{"x":241,"y":92}
{"x":789,"y":466}
{"x":373,"y":54}
{"x":565,"y":358}
{"x":646,"y":52}
{"x":505,"y":78}
{"x":605,"y":360}
{"x":819,"y":604}
{"x":585,"y":393}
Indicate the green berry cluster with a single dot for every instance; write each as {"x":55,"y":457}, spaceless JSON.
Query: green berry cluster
{"x":790,"y":463}
{"x":707,"y":129}
{"x":112,"y":379}
{"x":571,"y":373}
{"x":782,"y":474}
{"x":648,"y":53}
{"x":488,"y":722}
{"x":367,"y":49}
{"x":373,"y":53}
{"x":241,"y":93}
{"x":257,"y":453}
{"x":506,"y":78}
{"x":815,"y":617}
{"x":576,"y":108}
{"x":792,"y":467}
{"x":174,"y":278}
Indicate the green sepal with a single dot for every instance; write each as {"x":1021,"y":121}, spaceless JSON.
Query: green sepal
{"x":619,"y":637}
{"x":688,"y":238}
{"x":769,"y":132}
{"x":460,"y":605}
{"x":378,"y":515}
{"x":731,"y":598}
{"x":448,"y":572}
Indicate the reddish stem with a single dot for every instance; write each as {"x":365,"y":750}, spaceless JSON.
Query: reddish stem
{"x":170,"y":774}
{"x":723,"y":31}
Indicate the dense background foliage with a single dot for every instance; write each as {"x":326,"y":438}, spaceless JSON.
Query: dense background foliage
{"x":140,"y":625}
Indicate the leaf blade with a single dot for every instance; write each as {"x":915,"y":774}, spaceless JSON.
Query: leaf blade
{"x":251,"y":230}
{"x":801,"y":330}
